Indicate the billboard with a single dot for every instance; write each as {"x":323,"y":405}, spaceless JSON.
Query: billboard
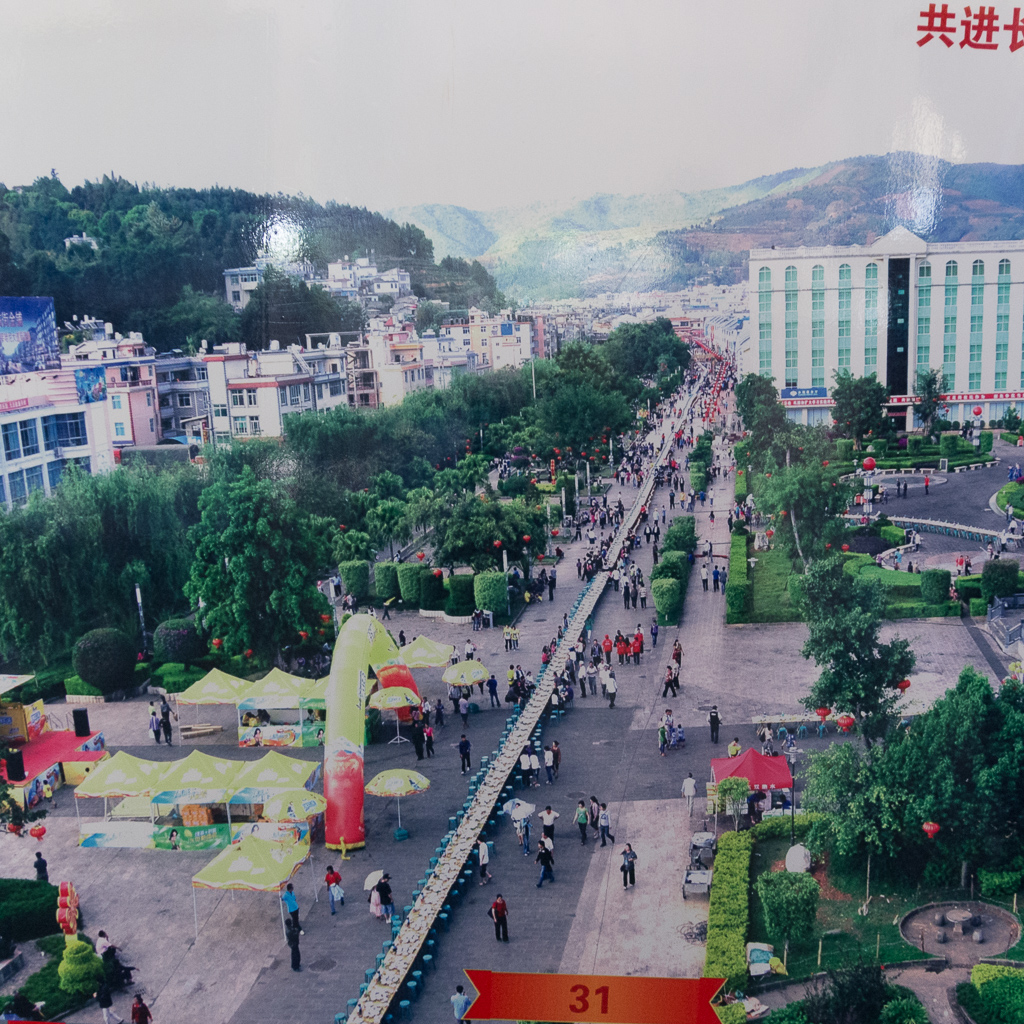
{"x":91,"y":384}
{"x":28,"y":335}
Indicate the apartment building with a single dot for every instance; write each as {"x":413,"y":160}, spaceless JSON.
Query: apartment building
{"x":184,"y":393}
{"x":894,"y":307}
{"x":497,"y":341}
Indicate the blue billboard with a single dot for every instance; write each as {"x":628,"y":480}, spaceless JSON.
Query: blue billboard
{"x":804,"y":392}
{"x":91,"y":384}
{"x":28,"y":335}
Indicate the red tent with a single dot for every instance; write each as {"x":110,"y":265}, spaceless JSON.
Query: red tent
{"x":762,"y":772}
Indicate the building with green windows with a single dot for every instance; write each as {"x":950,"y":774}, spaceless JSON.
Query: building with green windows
{"x":893,"y":307}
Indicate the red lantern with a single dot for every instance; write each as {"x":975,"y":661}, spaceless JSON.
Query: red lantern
{"x":341,"y":526}
{"x":825,"y":463}
{"x":534,"y":481}
{"x":977,"y":410}
{"x":558,"y":451}
{"x":554,"y":533}
{"x":304,"y":634}
{"x":869,"y":464}
{"x":37,"y":832}
{"x":497,"y":543}
{"x":739,"y":472}
{"x":217,"y":642}
{"x":822,"y":713}
{"x":768,"y":474}
{"x":321,"y":632}
{"x":248,"y":652}
{"x":846,"y":547}
{"x":845,"y":722}
{"x":540,"y":557}
{"x":828,"y":546}
{"x":421,"y":555}
{"x":526,"y":538}
{"x":324,"y":617}
{"x":903,"y":685}
{"x":438,"y":573}
{"x":931,"y":828}
{"x":769,"y":534}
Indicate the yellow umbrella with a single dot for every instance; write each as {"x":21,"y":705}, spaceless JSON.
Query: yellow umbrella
{"x":426,"y":653}
{"x":392,"y":698}
{"x":465,"y":673}
{"x":293,"y":805}
{"x":398,"y":782}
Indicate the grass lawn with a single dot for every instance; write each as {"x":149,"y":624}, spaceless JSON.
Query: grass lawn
{"x":1014,"y":494}
{"x":770,"y":600}
{"x":846,"y":936}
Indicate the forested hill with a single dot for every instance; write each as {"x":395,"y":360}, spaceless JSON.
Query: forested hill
{"x":162,"y":251}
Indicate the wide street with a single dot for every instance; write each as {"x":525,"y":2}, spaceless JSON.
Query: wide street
{"x":585,"y":921}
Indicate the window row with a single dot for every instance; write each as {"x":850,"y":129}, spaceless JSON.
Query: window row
{"x":21,"y":439}
{"x":924,"y":275}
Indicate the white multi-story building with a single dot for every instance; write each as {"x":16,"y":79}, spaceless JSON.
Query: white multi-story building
{"x":894,"y":307}
{"x":498,"y":341}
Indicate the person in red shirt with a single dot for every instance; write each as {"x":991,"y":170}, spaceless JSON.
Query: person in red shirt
{"x":333,"y":878}
{"x":499,"y":915}
{"x":607,"y":647}
{"x":140,"y":1011}
{"x":622,"y":649}
{"x":636,"y":647}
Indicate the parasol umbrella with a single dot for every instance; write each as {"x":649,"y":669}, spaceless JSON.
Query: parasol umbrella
{"x":372,"y":879}
{"x":518,"y":809}
{"x":392,"y":698}
{"x":293,"y":805}
{"x":465,"y":673}
{"x":426,"y":653}
{"x":398,"y":782}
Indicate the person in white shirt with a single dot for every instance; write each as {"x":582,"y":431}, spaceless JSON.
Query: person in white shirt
{"x":549,"y":766}
{"x":535,"y":769}
{"x":547,"y":820}
{"x":689,"y":791}
{"x":524,"y":767}
{"x":485,"y":857}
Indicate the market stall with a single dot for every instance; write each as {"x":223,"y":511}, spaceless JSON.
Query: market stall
{"x":273,"y":798}
{"x":770,"y":775}
{"x":196,"y":789}
{"x":130,"y":781}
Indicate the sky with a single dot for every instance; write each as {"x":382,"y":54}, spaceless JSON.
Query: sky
{"x":389,"y":103}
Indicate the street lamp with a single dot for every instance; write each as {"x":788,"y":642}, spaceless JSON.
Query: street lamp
{"x":791,"y":757}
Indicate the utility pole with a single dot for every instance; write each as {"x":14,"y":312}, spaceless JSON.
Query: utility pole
{"x":533,"y":376}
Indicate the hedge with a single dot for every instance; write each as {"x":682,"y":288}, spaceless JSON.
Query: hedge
{"x":29,"y":909}
{"x":178,"y":640}
{"x":681,"y":535}
{"x":490,"y":590}
{"x":674,"y":565}
{"x":987,"y":437}
{"x":999,"y":578}
{"x":44,"y":985}
{"x":968,"y":587}
{"x":105,"y":658}
{"x":432,"y":592}
{"x":920,"y":610}
{"x":914,"y":444}
{"x":844,"y":450}
{"x":737,"y":587}
{"x":740,"y":486}
{"x":409,"y":582}
{"x":356,"y":577}
{"x":778,"y":828}
{"x":982,"y":973}
{"x":729,"y":911}
{"x":733,"y":1013}
{"x":996,"y":1001}
{"x":1010,"y":438}
{"x":894,"y":535}
{"x":1000,"y":883}
{"x":385,"y":579}
{"x":667,"y":594}
{"x":978,"y":606}
{"x":935,"y":586}
{"x":461,"y":598}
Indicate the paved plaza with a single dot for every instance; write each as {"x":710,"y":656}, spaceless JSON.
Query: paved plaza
{"x":238,"y":969}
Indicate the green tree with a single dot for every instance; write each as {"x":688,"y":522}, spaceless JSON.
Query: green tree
{"x":763,"y":415}
{"x":257,"y":560}
{"x":285,"y":310}
{"x":178,"y":640}
{"x":429,"y":317}
{"x":80,"y":970}
{"x":859,"y":409}
{"x":465,"y":533}
{"x":576,"y":413}
{"x":929,"y":387}
{"x":105,"y":658}
{"x":732,"y":791}
{"x":790,"y":901}
{"x":387,"y":522}
{"x":646,"y":349}
{"x":352,"y":546}
{"x":196,"y":316}
{"x":859,"y":672}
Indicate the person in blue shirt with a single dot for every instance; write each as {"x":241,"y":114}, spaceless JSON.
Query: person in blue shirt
{"x":461,"y":1002}
{"x":289,"y":900}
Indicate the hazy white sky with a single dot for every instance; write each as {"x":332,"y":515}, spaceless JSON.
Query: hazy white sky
{"x":388,"y":102}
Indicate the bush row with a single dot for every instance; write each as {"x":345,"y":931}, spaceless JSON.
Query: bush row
{"x":737,"y":587}
{"x":29,"y":909}
{"x":920,"y":610}
{"x":729,"y":911}
{"x":994,"y":996}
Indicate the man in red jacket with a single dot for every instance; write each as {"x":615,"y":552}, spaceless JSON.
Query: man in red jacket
{"x":606,"y":645}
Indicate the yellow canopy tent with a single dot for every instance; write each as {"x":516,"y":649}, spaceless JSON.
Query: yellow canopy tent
{"x":426,"y":653}
{"x":256,"y":865}
{"x":216,"y":687}
{"x":258,"y":781}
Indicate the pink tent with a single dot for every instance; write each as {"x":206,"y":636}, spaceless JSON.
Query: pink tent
{"x":762,"y":772}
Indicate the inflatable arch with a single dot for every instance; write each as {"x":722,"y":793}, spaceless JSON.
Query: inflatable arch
{"x":363,"y":644}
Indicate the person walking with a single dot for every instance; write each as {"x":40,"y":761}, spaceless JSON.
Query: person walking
{"x":464,"y":750}
{"x":594,"y":815}
{"x":628,"y":868}
{"x":484,"y":855}
{"x":461,"y":1002}
{"x":335,"y":893}
{"x":654,"y":633}
{"x":42,"y":875}
{"x":556,"y":753}
{"x":715,"y":576}
{"x":154,"y":722}
{"x":670,"y":681}
{"x":704,"y":577}
{"x":582,"y":819}
{"x":546,"y":859}
{"x":689,"y":791}
{"x":291,"y":936}
{"x":927,"y":481}
{"x":387,"y":900}
{"x":428,"y":737}
{"x":549,"y":764}
{"x":715,"y":722}
{"x":289,"y":900}
{"x":499,"y":915}
{"x":547,"y":820}
{"x":611,"y":687}
{"x":418,"y":739}
{"x":492,"y":691}
{"x":535,"y":768}
{"x":141,"y":1013}
{"x":606,"y":646}
{"x":604,"y":822}
{"x":662,"y":739}
{"x":464,"y":709}
{"x":105,"y":998}
{"x":165,"y":719}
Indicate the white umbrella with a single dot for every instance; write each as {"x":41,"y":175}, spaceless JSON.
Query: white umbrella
{"x":518,"y":809}
{"x":372,"y":879}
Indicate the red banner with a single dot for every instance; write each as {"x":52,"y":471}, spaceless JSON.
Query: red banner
{"x":592,"y":998}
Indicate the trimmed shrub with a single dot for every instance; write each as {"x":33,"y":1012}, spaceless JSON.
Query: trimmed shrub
{"x":949,"y":445}
{"x":105,"y":659}
{"x":668,"y":600}
{"x":385,"y":580}
{"x":893,"y":535}
{"x":999,"y":883}
{"x":490,"y":590}
{"x":29,"y":908}
{"x":1002,"y":1000}
{"x":737,"y":587}
{"x":698,"y":479}
{"x":905,"y":1010}
{"x":778,"y":828}
{"x":982,"y":973}
{"x":733,"y":1013}
{"x":432,"y":592}
{"x":681,"y":535}
{"x":987,"y":437}
{"x":178,"y":640}
{"x":356,"y":577}
{"x":968,"y":587}
{"x":80,"y":970}
{"x":998,"y":578}
{"x":740,"y":487}
{"x":844,"y":450}
{"x":729,"y":911}
{"x":461,"y":597}
{"x":935,"y":586}
{"x":879,"y":448}
{"x":514,"y":486}
{"x":674,"y":566}
{"x":409,"y":582}
{"x":914,"y":444}
{"x":790,"y":901}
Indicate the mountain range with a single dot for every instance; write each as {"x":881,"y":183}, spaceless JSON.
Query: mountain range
{"x":608,"y":243}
